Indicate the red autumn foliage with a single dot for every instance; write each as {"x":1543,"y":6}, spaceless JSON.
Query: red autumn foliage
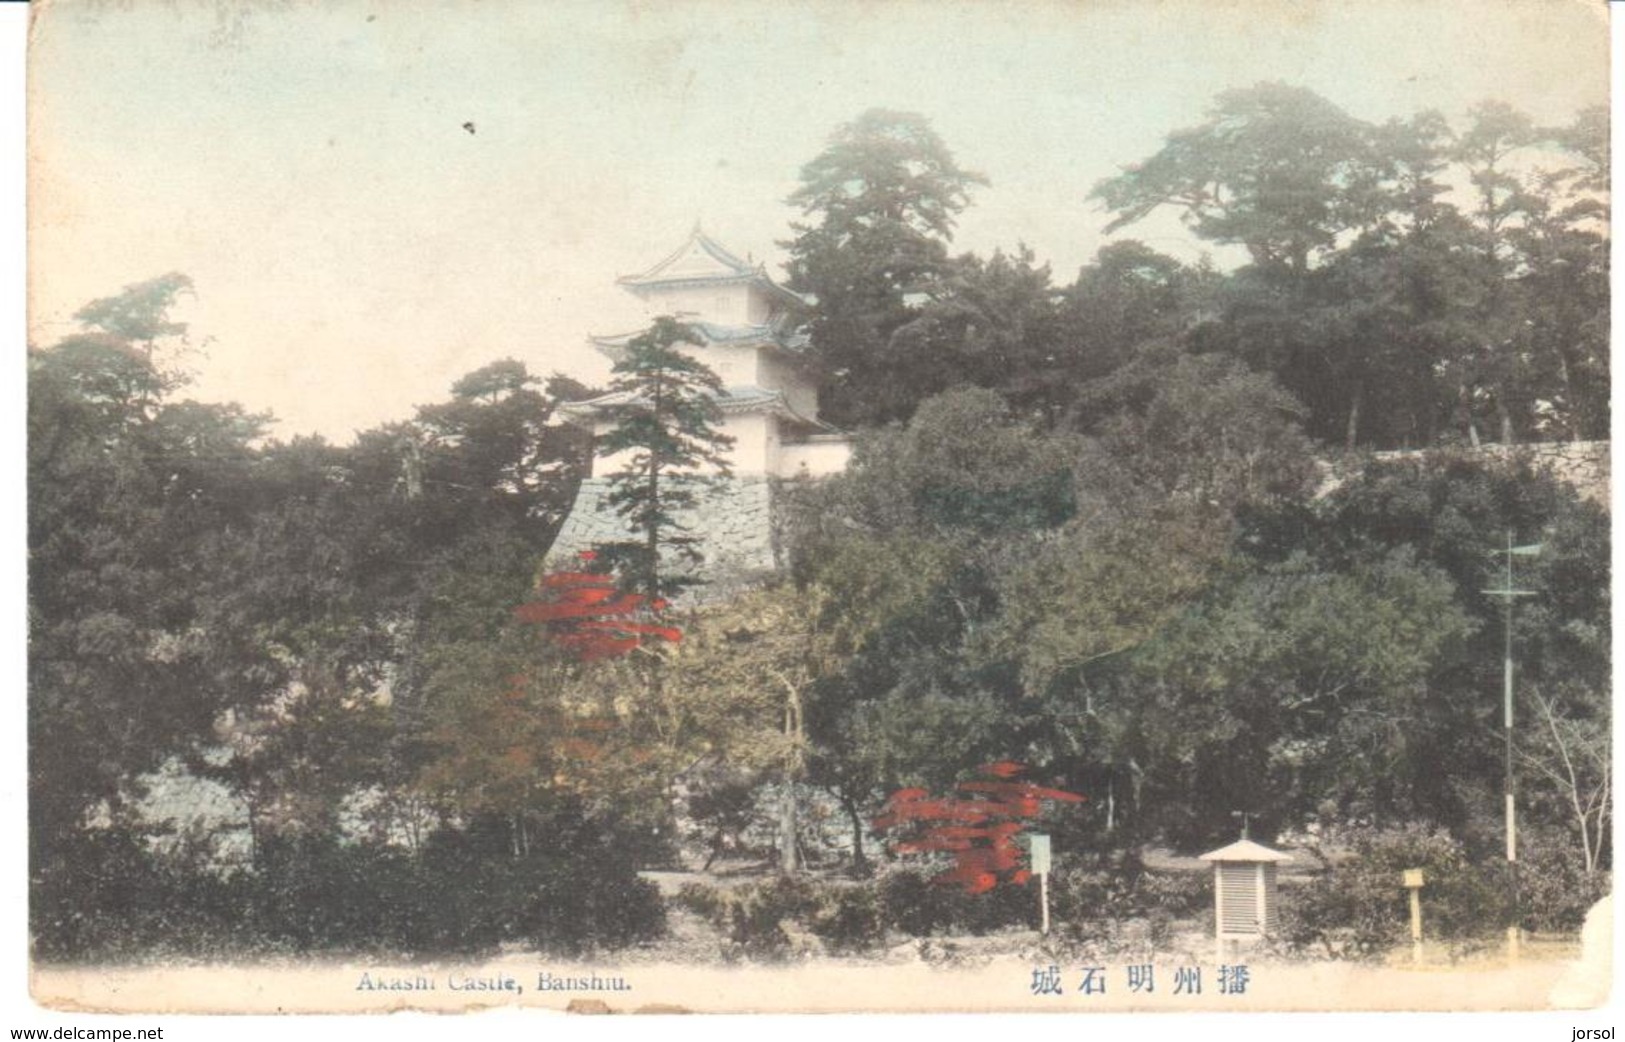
{"x":589,"y":617}
{"x":979,"y":826}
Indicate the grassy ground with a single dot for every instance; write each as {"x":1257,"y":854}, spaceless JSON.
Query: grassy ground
{"x":696,"y":966}
{"x":693,"y":938}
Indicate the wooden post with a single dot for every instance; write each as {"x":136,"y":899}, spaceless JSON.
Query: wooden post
{"x":1413,"y":883}
{"x":1260,"y":895}
{"x":1416,"y":925}
{"x":1038,"y":857}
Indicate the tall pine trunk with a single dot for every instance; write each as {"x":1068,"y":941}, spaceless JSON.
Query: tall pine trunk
{"x":1352,"y":432}
{"x":860,"y":862}
{"x":1466,"y":398}
{"x":788,"y":863}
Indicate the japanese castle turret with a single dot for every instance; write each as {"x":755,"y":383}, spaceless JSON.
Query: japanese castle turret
{"x":1244,"y":894}
{"x":749,"y":328}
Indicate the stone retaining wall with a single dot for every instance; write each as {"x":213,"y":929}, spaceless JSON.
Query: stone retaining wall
{"x":1583,"y":464}
{"x":735,"y":523}
{"x":741,"y":524}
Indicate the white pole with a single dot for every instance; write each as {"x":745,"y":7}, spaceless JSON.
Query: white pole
{"x":1416,"y":924}
{"x":1511,"y":800}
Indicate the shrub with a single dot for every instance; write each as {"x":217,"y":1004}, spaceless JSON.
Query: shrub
{"x":1178,"y":895}
{"x":772,"y":919}
{"x":105,"y":896}
{"x":318,"y":894}
{"x":589,"y":907}
{"x":758,"y":914}
{"x":1095,"y":904}
{"x":1360,"y":907}
{"x":848,"y":919}
{"x":751,"y":919}
{"x":704,"y":901}
{"x":910,"y":902}
{"x":464,"y":892}
{"x":576,"y":890}
{"x":1554,"y":890}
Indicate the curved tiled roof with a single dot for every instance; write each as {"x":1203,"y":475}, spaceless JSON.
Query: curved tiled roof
{"x":772,"y":334}
{"x":702,"y":261}
{"x":743,"y":398}
{"x":699,"y":257}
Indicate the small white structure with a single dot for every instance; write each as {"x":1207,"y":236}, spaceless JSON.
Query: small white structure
{"x":1244,"y":893}
{"x":748,"y":324}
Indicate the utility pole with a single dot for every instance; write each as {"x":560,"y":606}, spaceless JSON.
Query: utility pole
{"x":1507,"y":593}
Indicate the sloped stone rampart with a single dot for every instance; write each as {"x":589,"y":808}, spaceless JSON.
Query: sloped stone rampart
{"x":735,"y":524}
{"x":1584,"y":464}
{"x":742,"y":524}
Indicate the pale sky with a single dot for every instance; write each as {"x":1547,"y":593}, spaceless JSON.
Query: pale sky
{"x":355,"y":250}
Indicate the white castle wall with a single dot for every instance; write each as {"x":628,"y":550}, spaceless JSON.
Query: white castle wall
{"x":736,"y":305}
{"x":819,"y":456}
{"x":754,"y":449}
{"x":734,"y":364}
{"x":737,"y":523}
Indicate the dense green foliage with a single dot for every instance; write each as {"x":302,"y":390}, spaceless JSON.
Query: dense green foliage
{"x":1103,"y":551}
{"x":1354,"y":908}
{"x":1399,"y":309}
{"x":1095,"y":528}
{"x":289,"y":622}
{"x":464,"y":892}
{"x":881,"y":200}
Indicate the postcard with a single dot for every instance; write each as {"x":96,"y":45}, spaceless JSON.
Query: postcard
{"x":827,"y":506}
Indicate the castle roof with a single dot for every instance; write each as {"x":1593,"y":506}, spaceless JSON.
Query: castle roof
{"x":771,"y":334}
{"x":745,"y":398}
{"x":702,"y":261}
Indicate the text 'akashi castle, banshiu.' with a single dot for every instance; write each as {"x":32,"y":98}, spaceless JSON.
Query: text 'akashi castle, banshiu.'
{"x":769,"y":406}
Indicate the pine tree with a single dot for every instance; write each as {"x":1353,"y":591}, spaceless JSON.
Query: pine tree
{"x":665,"y":412}
{"x":880,"y":203}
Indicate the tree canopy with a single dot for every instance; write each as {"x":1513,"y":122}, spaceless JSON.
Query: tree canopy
{"x":1122,"y":528}
{"x":880,"y":203}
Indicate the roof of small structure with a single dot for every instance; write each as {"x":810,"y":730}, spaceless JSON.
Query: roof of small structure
{"x":701,"y":260}
{"x":1245,"y":850}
